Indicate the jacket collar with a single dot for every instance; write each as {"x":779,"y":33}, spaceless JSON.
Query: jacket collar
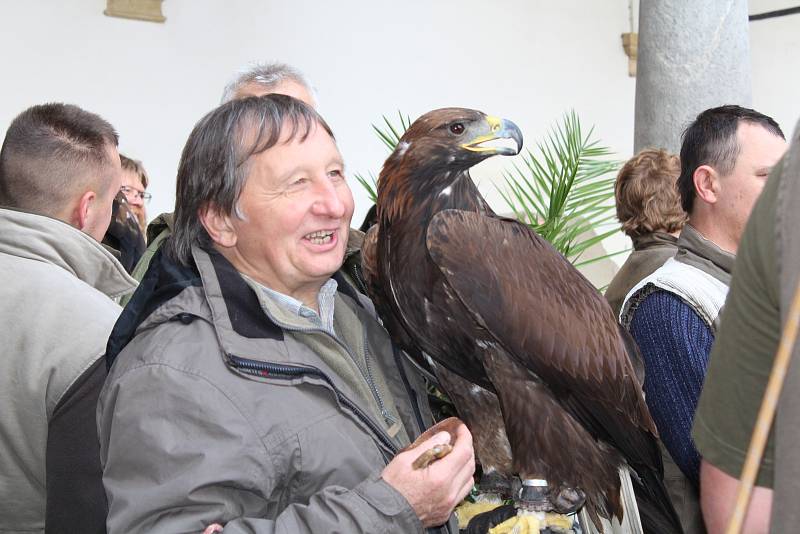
{"x":41,"y":238}
{"x":234,"y":304}
{"x":654,"y":239}
{"x":226,"y":300}
{"x":697,"y":251}
{"x":159,"y":224}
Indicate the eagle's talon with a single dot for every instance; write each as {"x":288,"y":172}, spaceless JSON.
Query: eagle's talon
{"x":569,"y":500}
{"x":431,"y":455}
{"x":527,"y":522}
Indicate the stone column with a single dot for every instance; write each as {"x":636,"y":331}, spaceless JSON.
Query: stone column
{"x":693,"y":55}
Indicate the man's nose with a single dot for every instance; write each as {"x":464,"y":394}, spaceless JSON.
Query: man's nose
{"x":328,"y":201}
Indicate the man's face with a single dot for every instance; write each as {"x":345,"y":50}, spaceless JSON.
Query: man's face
{"x":99,"y":215}
{"x":759,"y":151}
{"x":297,"y":208}
{"x":131,"y":181}
{"x":286,"y":87}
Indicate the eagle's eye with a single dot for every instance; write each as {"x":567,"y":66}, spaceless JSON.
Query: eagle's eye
{"x":457,"y":128}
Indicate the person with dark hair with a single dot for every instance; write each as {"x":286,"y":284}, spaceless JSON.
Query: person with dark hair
{"x":673,"y":314}
{"x":649,"y":210}
{"x":59,"y":172}
{"x":251,"y":387}
{"x":756,"y":311}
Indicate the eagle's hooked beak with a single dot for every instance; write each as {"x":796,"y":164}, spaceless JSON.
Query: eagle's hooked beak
{"x":497,"y":129}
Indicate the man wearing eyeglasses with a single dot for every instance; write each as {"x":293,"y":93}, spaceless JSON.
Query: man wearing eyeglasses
{"x":134,"y":185}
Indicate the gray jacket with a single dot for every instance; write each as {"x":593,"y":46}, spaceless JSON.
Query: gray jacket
{"x":214,"y":414}
{"x":56,"y":312}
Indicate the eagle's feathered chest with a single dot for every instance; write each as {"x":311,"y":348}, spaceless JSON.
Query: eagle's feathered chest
{"x":429,"y":307}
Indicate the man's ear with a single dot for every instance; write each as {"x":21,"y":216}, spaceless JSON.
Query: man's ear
{"x":80,"y":217}
{"x":218,"y":225}
{"x":706,"y":183}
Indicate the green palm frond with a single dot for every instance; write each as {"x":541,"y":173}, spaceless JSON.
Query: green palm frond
{"x":370,"y":185}
{"x":390,"y":135}
{"x":566,"y":193}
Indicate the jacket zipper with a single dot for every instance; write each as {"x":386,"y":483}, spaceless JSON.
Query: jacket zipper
{"x":371,"y":381}
{"x":411,"y":392}
{"x":365,"y":374}
{"x":272,"y":370}
{"x":359,"y":277}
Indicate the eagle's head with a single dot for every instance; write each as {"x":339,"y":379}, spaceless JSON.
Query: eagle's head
{"x":455,"y":139}
{"x":434,"y":155}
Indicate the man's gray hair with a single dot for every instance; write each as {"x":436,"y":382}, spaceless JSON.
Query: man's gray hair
{"x":216,"y":160}
{"x":268,"y":75}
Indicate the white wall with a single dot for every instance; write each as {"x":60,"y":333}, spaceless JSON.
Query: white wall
{"x":775,"y":52}
{"x":526,"y":60}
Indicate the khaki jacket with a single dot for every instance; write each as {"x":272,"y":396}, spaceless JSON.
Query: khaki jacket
{"x":213,"y":414}
{"x":56,"y":311}
{"x":649,"y":253}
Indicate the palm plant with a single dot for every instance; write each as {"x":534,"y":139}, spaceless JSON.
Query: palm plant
{"x":567,"y":193}
{"x":390,"y":136}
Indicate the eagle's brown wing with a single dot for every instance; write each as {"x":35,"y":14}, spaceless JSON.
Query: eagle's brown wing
{"x":541,"y":309}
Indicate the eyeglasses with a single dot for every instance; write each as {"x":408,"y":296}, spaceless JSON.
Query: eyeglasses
{"x":132,"y":193}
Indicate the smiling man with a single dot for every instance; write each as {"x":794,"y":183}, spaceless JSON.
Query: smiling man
{"x":253,"y":387}
{"x":726,"y":156}
{"x":256,"y":80}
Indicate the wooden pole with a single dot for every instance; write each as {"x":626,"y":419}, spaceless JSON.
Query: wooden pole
{"x":766,"y":415}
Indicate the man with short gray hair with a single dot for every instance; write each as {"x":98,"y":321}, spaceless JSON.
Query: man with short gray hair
{"x":263,"y":78}
{"x":59,"y":173}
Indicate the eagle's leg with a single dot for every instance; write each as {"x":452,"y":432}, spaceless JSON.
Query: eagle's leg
{"x":541,"y":435}
{"x":537,"y":495}
{"x":480,"y":411}
{"x":495,"y":483}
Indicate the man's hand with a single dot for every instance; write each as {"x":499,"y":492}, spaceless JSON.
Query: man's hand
{"x":434,"y":491}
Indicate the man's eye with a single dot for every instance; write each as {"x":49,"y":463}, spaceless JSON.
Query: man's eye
{"x":457,"y":128}
{"x":336,"y":173}
{"x":300,"y":181}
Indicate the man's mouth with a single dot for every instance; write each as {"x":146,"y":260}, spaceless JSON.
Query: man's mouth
{"x":321,"y":237}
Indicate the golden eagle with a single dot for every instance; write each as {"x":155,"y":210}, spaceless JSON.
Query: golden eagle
{"x":512,"y":327}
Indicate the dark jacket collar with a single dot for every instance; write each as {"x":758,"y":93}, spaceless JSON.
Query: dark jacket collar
{"x":233,"y":303}
{"x":697,"y":251}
